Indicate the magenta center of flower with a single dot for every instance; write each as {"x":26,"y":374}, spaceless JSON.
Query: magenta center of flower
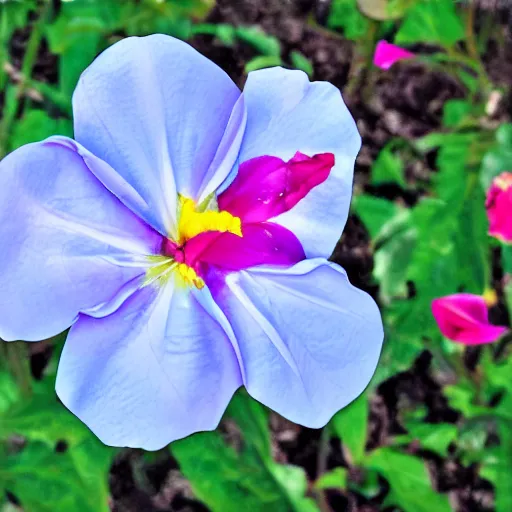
{"x":238,"y":232}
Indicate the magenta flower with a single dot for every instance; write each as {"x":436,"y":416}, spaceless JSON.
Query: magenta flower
{"x":499,"y":207}
{"x":386,"y":54}
{"x":464,"y":318}
{"x":184,"y":237}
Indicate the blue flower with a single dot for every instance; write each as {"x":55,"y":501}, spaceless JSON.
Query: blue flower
{"x":173,"y":300}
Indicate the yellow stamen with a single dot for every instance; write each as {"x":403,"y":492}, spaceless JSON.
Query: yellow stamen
{"x":192,"y":223}
{"x":490,"y":297}
{"x":190,"y":276}
{"x":504,"y":180}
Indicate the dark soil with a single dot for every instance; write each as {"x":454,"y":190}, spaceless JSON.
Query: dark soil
{"x":406,"y":101}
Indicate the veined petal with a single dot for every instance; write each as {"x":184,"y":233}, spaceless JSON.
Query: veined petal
{"x":286,"y":114}
{"x":67,"y":243}
{"x":164,"y":117}
{"x":157,"y":370}
{"x":308,"y":340}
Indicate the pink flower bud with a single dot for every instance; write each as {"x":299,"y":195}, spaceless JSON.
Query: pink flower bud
{"x":499,"y":207}
{"x":386,"y":54}
{"x":464,"y":318}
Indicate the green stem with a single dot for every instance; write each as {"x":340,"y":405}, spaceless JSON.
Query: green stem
{"x":363,"y":60}
{"x":16,"y":356}
{"x":323,"y":453}
{"x":29,"y":59}
{"x":472,"y":47}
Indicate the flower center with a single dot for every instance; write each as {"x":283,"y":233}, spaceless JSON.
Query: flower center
{"x":193,"y":220}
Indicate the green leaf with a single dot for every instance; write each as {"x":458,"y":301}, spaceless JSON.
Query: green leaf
{"x":346,"y":16}
{"x":435,"y":437}
{"x":410,"y":486}
{"x":394,"y":238}
{"x":299,"y":61}
{"x":36,"y":125}
{"x":499,"y":157}
{"x":9,"y":391}
{"x":334,"y":479}
{"x":462,"y":397}
{"x":454,"y":111}
{"x":375,"y":213}
{"x":431,"y":21}
{"x":241,"y":475}
{"x":224,"y":32}
{"x":262,"y":42}
{"x":43,"y":418}
{"x":392,"y":260}
{"x":351,"y":426}
{"x":388,"y":168}
{"x":46,"y":481}
{"x":13,"y":15}
{"x":262,"y":62}
{"x":503,"y":481}
{"x":78,"y":34}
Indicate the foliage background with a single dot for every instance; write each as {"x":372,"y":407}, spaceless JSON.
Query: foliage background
{"x":433,"y":430}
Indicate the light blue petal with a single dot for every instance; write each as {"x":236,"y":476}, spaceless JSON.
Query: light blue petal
{"x":309,"y":341}
{"x":159,"y":369}
{"x":285,"y":114}
{"x":67,"y":244}
{"x":164,"y":117}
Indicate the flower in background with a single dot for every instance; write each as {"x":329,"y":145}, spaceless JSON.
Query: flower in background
{"x":184,"y":238}
{"x":499,"y":207}
{"x":386,"y":54}
{"x":464,"y":318}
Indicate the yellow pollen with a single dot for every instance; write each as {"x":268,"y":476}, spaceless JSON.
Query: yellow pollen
{"x":190,"y":276}
{"x":192,"y":223}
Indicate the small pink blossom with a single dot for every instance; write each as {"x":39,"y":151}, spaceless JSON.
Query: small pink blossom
{"x":464,"y":318}
{"x":499,"y":207}
{"x":386,"y":54}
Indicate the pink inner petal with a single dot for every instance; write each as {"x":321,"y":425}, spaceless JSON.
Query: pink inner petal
{"x":267,"y":186}
{"x":262,"y":243}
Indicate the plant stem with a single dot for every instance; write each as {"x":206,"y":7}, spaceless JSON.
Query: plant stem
{"x":11,"y":105}
{"x":18,"y":363}
{"x":323,"y":452}
{"x":472,"y":47}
